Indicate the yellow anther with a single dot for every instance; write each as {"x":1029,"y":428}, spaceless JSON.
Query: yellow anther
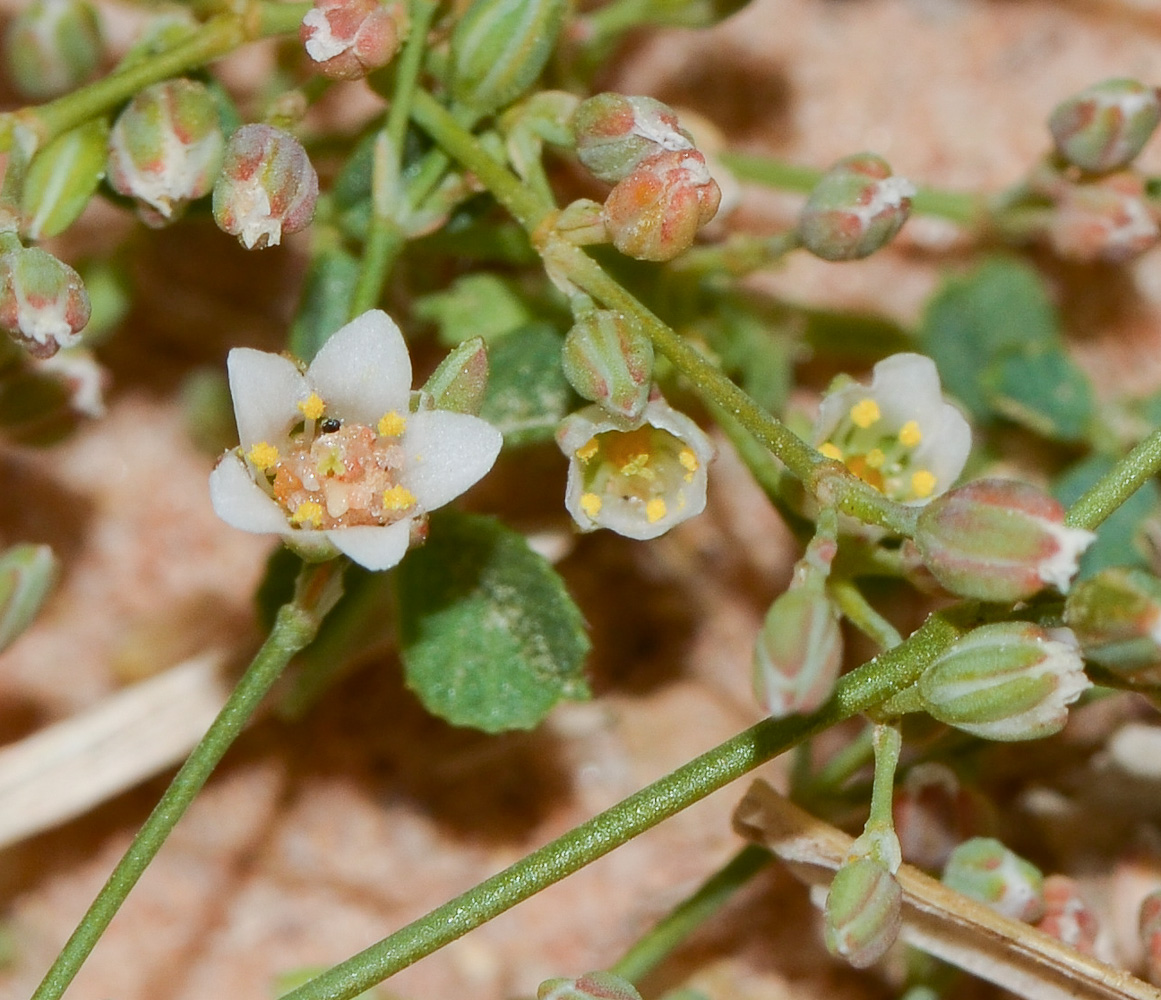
{"x":330,"y":464}
{"x":263,"y":456}
{"x":312,"y":407}
{"x":398,"y":498}
{"x":688,"y":460}
{"x":922,"y":484}
{"x":655,"y":510}
{"x":591,"y":504}
{"x":865,"y":413}
{"x":875,"y":458}
{"x":637,"y":465}
{"x":588,"y":449}
{"x":831,"y":451}
{"x":391,"y":425}
{"x":909,"y":434}
{"x":308,"y":512}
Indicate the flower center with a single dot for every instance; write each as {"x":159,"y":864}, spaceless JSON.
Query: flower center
{"x":880,"y":454}
{"x":638,"y":469}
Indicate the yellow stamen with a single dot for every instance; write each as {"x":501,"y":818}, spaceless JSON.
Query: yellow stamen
{"x":831,"y":451}
{"x":865,"y":413}
{"x":909,"y":434}
{"x":330,"y":464}
{"x":391,"y":425}
{"x":922,"y":484}
{"x":263,"y":456}
{"x":875,"y":458}
{"x":637,"y":465}
{"x":655,"y":510}
{"x":588,"y":449}
{"x":688,"y":460}
{"x":398,"y":498}
{"x":591,"y":504}
{"x":307,"y":512}
{"x":312,"y":407}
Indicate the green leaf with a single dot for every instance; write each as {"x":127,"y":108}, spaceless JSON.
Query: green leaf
{"x":326,"y":301}
{"x":1042,"y":389}
{"x":62,"y":178}
{"x":476,"y":305}
{"x":488,"y":633}
{"x":527,"y":395}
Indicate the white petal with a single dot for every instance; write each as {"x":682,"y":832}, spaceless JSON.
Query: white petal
{"x":445,"y":454}
{"x":373,"y":547}
{"x":240,"y":502}
{"x":266,"y":389}
{"x":364,"y":370}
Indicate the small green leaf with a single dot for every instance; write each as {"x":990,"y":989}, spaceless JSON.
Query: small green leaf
{"x":62,"y":178}
{"x":528,"y":395}
{"x":460,"y":381}
{"x":476,"y":305}
{"x":326,"y":301}
{"x":1041,"y":388}
{"x":488,"y":633}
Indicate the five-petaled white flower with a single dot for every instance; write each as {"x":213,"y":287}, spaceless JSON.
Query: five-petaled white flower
{"x":898,"y":434}
{"x":332,"y":459}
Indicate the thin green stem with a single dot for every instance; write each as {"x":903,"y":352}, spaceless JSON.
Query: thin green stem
{"x":859,"y":612}
{"x":385,"y":240}
{"x":407,"y":71}
{"x":294,"y":627}
{"x":1121,"y":482}
{"x":887,"y":741}
{"x":857,"y":692}
{"x":849,"y":760}
{"x":652,"y":949}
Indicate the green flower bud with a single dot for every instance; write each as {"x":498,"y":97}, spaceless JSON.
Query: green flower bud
{"x":999,"y":540}
{"x":615,"y":134}
{"x":590,"y":986}
{"x":798,"y":653}
{"x":62,"y":178}
{"x":500,"y":47}
{"x":1007,"y":681}
{"x":863,"y":912}
{"x":607,"y":359}
{"x":166,"y":148}
{"x":1106,"y":125}
{"x":1116,"y":616}
{"x":267,"y":187}
{"x":856,"y":208}
{"x":43,"y":304}
{"x":461,"y":379}
{"x":27,"y":574}
{"x":985,"y":870}
{"x":52,"y":47}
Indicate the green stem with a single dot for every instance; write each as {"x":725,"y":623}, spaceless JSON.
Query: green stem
{"x":887,"y":741}
{"x":691,"y":913}
{"x":1121,"y":482}
{"x":385,"y":240}
{"x":294,"y":627}
{"x":407,"y":73}
{"x":859,"y":612}
{"x":857,"y":692}
{"x":835,"y":772}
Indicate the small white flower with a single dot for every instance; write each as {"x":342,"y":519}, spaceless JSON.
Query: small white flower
{"x":331,"y":458}
{"x":636,"y":477}
{"x":898,"y":434}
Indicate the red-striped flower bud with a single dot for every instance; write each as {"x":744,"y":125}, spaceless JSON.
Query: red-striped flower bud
{"x":798,"y":653}
{"x":1105,"y":126}
{"x":43,"y":302}
{"x":1067,"y":917}
{"x":590,"y":986}
{"x":985,"y":870}
{"x":607,"y":359}
{"x":999,"y":540}
{"x":53,"y":46}
{"x":615,"y":134}
{"x":347,"y":39}
{"x":1116,"y":615}
{"x":1109,"y":220}
{"x":863,"y":912}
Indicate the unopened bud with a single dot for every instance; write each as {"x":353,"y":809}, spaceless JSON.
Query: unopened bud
{"x":27,"y":574}
{"x":1006,"y":681}
{"x":607,"y":359}
{"x":863,"y":912}
{"x":267,"y":187}
{"x":1067,"y":917}
{"x":1149,"y":927}
{"x":1108,"y":221}
{"x":985,"y":870}
{"x":1106,"y":125}
{"x":166,"y":148}
{"x":43,"y":303}
{"x":590,"y":986}
{"x":347,"y":39}
{"x":1116,"y":615}
{"x":999,"y":540}
{"x":500,"y":47}
{"x":461,"y":379}
{"x":615,"y":134}
{"x":655,"y":212}
{"x":857,"y":207}
{"x":798,"y":653}
{"x":53,"y":46}
{"x":582,"y":222}
{"x":62,"y":178}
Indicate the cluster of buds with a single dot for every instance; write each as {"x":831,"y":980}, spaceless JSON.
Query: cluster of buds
{"x":663,"y":192}
{"x":985,"y":870}
{"x":53,"y":46}
{"x":1116,"y":616}
{"x":607,"y":359}
{"x":347,"y":39}
{"x":590,"y":986}
{"x":43,"y":302}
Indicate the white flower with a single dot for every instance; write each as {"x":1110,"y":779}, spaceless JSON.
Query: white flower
{"x":332,"y":459}
{"x":636,"y":477}
{"x":898,"y":434}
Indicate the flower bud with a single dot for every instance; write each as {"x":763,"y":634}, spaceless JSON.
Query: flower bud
{"x":1067,"y":917}
{"x":1105,"y":126}
{"x":1116,"y":616}
{"x":863,"y":912}
{"x":61,"y":180}
{"x":856,"y":208}
{"x":999,"y":540}
{"x":582,"y":222}
{"x":798,"y":653}
{"x":166,"y":148}
{"x":500,"y":47}
{"x":615,"y":134}
{"x":590,"y":986}
{"x":1007,"y":681}
{"x":347,"y":39}
{"x":53,"y":46}
{"x":1108,"y":221}
{"x":1149,"y":927}
{"x":461,"y":379}
{"x":985,"y":870}
{"x":43,"y":303}
{"x":27,"y":574}
{"x":267,"y":187}
{"x":655,"y":212}
{"x":607,"y":359}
